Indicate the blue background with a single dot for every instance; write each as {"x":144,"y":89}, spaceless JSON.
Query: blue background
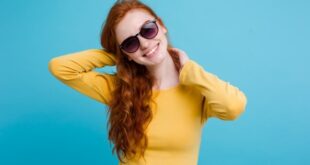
{"x":260,"y":46}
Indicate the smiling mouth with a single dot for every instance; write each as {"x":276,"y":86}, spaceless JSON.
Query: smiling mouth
{"x":151,"y":52}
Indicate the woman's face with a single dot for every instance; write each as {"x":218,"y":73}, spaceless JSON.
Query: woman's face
{"x":151,"y":51}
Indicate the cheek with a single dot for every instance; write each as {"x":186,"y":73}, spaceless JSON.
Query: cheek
{"x":129,"y":56}
{"x":136,"y":55}
{"x":164,"y":43}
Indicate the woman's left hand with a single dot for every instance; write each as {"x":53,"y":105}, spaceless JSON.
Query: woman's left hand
{"x":182,"y":55}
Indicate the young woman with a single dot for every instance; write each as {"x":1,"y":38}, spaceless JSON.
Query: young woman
{"x":159,"y":99}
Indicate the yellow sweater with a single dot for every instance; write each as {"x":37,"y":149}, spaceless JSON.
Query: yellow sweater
{"x":174,"y":133}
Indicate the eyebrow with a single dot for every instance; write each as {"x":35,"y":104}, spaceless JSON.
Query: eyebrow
{"x":144,"y":23}
{"x":140,"y":27}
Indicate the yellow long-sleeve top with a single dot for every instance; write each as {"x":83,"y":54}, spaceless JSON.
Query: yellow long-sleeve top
{"x":174,"y":133}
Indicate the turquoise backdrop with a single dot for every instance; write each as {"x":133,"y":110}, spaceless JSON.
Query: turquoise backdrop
{"x":260,"y":46}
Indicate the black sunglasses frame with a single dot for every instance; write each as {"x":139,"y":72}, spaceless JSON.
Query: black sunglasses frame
{"x":136,"y":36}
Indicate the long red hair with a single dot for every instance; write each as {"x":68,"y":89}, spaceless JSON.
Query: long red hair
{"x":129,"y":111}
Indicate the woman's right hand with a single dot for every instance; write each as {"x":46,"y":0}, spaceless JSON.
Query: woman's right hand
{"x":182,"y":55}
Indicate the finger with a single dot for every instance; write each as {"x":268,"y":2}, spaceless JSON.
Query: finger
{"x":172,"y":49}
{"x":176,"y":50}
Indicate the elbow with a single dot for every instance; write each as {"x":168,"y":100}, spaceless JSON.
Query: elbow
{"x":236,"y":107}
{"x":57,"y":68}
{"x":53,"y":67}
{"x":234,"y":113}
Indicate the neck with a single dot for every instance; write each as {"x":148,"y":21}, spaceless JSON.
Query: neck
{"x":165,"y":73}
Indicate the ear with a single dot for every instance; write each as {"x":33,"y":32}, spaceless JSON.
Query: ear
{"x":164,"y":29}
{"x":162,"y":26}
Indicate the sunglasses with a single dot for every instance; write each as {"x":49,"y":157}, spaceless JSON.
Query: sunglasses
{"x":149,"y":31}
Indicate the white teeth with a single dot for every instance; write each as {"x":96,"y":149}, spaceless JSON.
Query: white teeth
{"x":152,"y":51}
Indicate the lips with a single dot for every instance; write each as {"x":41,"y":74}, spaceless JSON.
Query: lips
{"x":152,"y":52}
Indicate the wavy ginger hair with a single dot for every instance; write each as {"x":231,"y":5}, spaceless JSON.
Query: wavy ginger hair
{"x":129,"y":110}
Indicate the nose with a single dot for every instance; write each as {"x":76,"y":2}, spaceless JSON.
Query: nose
{"x":144,"y":43}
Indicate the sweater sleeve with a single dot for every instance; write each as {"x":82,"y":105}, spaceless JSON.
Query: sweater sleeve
{"x":222,"y":100}
{"x":77,"y":71}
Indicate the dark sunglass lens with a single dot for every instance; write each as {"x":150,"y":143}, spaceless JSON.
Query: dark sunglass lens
{"x":149,"y":30}
{"x":131,"y":44}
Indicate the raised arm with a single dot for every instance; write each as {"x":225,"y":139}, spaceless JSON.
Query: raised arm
{"x":77,"y":71}
{"x":222,"y":100}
